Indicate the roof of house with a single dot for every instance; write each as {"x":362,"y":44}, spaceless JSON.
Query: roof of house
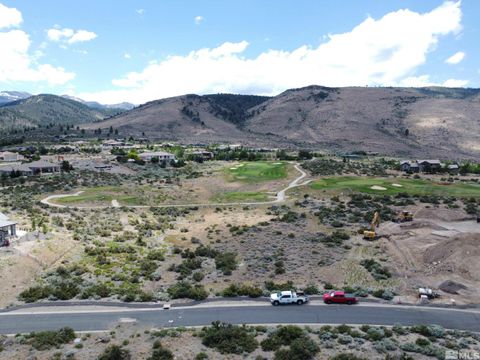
{"x":431,"y":162}
{"x":452,"y":166}
{"x":10,"y":168}
{"x":41,"y":164}
{"x":156,"y":153}
{"x":5,"y":221}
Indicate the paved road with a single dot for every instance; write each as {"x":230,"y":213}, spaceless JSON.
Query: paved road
{"x":12,"y":323}
{"x":279,"y":197}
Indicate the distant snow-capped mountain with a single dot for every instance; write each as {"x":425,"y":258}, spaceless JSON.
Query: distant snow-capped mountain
{"x":9,"y":96}
{"x":97,"y":105}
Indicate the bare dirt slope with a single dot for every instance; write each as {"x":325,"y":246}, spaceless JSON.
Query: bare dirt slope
{"x":422,"y":122}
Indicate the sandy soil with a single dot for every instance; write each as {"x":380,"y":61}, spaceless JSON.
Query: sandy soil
{"x":438,"y":245}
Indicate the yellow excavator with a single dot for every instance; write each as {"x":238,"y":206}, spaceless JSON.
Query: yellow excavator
{"x":371,"y":234}
{"x":404,"y":216}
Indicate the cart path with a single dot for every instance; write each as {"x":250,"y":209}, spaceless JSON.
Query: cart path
{"x":280,"y":197}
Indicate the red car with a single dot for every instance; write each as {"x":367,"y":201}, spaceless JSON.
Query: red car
{"x":339,"y":297}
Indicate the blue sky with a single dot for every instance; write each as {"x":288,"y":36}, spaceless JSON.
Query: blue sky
{"x":138,"y":51}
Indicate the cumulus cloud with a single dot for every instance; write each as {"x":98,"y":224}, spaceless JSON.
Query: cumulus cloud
{"x":456,"y":83}
{"x":17,"y":63}
{"x":385,"y":51}
{"x":455,"y":58}
{"x":198,"y":19}
{"x":9,"y":17}
{"x":69,"y":36}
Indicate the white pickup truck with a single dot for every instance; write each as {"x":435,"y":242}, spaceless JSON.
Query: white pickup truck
{"x":288,"y":297}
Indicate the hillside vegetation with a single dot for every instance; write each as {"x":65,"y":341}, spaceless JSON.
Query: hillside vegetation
{"x":43,"y":110}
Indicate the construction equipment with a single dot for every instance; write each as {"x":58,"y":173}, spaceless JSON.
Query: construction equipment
{"x":404,"y":216}
{"x":371,"y":234}
{"x":428,"y":293}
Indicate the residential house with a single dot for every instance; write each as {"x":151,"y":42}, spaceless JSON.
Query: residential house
{"x":409,"y":166}
{"x":202,"y":154}
{"x":15,"y":169}
{"x":8,"y":229}
{"x":160,"y":155}
{"x":42,"y":167}
{"x":453,"y":169}
{"x":429,"y":165}
{"x":8,"y":156}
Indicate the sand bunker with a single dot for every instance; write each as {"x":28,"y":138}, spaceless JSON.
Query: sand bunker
{"x":376,"y":187}
{"x":397,"y":185}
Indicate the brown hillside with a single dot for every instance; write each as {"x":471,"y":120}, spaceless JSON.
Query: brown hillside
{"x":425,"y":122}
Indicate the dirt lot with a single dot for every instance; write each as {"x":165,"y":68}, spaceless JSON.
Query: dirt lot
{"x":439,"y":245}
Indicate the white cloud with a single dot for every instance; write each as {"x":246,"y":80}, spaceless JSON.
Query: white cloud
{"x":198,"y":19}
{"x":385,"y":51}
{"x":455,"y":83}
{"x":455,"y":58}
{"x":127,"y":56}
{"x":9,"y":17}
{"x":69,"y":36}
{"x":140,"y":11}
{"x":17,"y":64}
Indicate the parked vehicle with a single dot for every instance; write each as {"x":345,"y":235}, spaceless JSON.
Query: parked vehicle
{"x":339,"y":297}
{"x":288,"y":297}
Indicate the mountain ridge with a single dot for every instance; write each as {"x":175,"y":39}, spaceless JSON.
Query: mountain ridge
{"x":431,"y":121}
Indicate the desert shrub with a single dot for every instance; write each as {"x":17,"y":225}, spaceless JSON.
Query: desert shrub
{"x":328,"y":286}
{"x":311,"y":290}
{"x":378,"y":271}
{"x":346,"y":356}
{"x":45,"y":340}
{"x":160,"y":353}
{"x":383,"y":294}
{"x":422,"y":342}
{"x":228,"y":338}
{"x":283,"y":335}
{"x":375,"y":334}
{"x":242,"y":290}
{"x":411,"y":347}
{"x":399,"y":329}
{"x":156,"y":255}
{"x":385,"y":345}
{"x":429,"y":330}
{"x":271,"y":286}
{"x":187,"y":266}
{"x":226,"y":262}
{"x":183,"y":289}
{"x":198,"y":276}
{"x":344,"y":339}
{"x":343,"y":329}
{"x":201,"y":356}
{"x":35,"y":293}
{"x":101,"y":290}
{"x":302,"y":348}
{"x":206,"y":251}
{"x":115,"y":352}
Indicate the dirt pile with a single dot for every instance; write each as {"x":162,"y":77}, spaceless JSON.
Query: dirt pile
{"x":461,"y":252}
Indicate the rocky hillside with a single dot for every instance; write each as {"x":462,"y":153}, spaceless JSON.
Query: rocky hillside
{"x":41,"y":110}
{"x":422,"y":122}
